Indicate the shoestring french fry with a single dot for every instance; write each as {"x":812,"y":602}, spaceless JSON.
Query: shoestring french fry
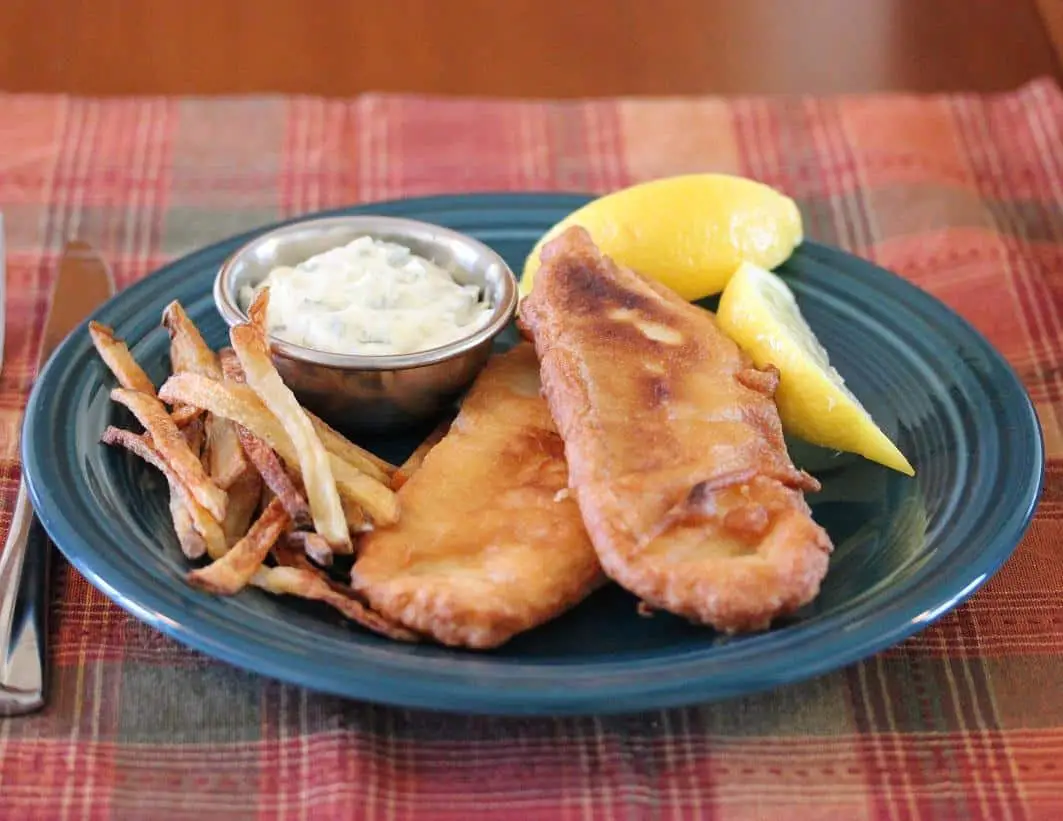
{"x":188,"y":352}
{"x":233,"y":571}
{"x":263,"y":457}
{"x":236,"y":479}
{"x":116,"y":356}
{"x":249,"y":342}
{"x":204,"y":523}
{"x":309,"y":584}
{"x":166,"y":436}
{"x":313,"y":545}
{"x":242,"y":405}
{"x":193,"y":545}
{"x":244,"y":495}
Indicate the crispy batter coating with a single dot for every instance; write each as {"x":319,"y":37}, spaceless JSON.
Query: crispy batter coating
{"x":486,"y":546}
{"x":674,"y":445}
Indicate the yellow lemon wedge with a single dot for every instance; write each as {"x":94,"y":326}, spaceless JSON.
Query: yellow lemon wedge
{"x":758,"y":311}
{"x":688,"y":232}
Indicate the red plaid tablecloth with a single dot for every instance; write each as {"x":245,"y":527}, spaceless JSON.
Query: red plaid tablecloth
{"x":961,"y":194}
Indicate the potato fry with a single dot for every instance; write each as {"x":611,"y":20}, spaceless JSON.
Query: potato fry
{"x":226,"y":463}
{"x":378,"y":500}
{"x":290,"y":554}
{"x":244,"y":495}
{"x":334,"y":441}
{"x":313,"y":545}
{"x":276,"y":477}
{"x":262,"y":455}
{"x":195,"y":437}
{"x":204,"y":452}
{"x":309,"y":584}
{"x":193,"y":545}
{"x":188,"y":352}
{"x":230,"y":365}
{"x":249,"y":342}
{"x":236,"y":402}
{"x":166,"y":437}
{"x":247,"y":439}
{"x":232,"y":572}
{"x":183,"y":352}
{"x":242,"y":405}
{"x":354,"y":513}
{"x":339,"y":445}
{"x":205,"y":524}
{"x":257,"y":313}
{"x":265,"y":497}
{"x":185,"y":415}
{"x":115,"y":354}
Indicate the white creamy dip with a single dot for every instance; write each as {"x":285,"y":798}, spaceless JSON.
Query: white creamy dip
{"x":370,"y":297}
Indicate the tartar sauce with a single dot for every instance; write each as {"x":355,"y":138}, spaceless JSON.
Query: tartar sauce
{"x":370,"y":297}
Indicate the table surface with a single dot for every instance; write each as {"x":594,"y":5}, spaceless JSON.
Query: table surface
{"x":962,"y":194}
{"x":546,"y":48}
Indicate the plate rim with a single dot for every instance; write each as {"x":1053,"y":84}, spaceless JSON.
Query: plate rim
{"x":459,"y":695}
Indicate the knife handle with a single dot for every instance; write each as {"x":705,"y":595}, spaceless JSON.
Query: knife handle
{"x":23,"y":610}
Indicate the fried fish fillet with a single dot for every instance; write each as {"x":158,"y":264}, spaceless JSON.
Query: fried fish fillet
{"x":674,"y":445}
{"x":489,"y":544}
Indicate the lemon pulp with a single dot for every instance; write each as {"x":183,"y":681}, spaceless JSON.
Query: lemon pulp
{"x":758,"y":311}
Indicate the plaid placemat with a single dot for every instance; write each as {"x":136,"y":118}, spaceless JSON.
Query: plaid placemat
{"x":961,"y":194}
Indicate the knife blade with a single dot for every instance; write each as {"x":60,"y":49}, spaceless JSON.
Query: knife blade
{"x":83,"y":283}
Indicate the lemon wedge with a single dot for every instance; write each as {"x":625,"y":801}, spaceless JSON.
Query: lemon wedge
{"x":758,"y":311}
{"x":688,"y":232}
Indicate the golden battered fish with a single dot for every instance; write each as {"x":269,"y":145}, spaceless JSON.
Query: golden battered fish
{"x":674,"y":445}
{"x":489,"y":544}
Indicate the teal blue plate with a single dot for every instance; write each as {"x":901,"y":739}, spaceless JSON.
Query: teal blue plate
{"x":907,"y":550}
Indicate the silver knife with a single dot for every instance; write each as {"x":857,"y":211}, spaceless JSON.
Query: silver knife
{"x":84,"y":282}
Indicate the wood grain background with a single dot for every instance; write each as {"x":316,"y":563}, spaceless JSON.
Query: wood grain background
{"x":559,"y":48}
